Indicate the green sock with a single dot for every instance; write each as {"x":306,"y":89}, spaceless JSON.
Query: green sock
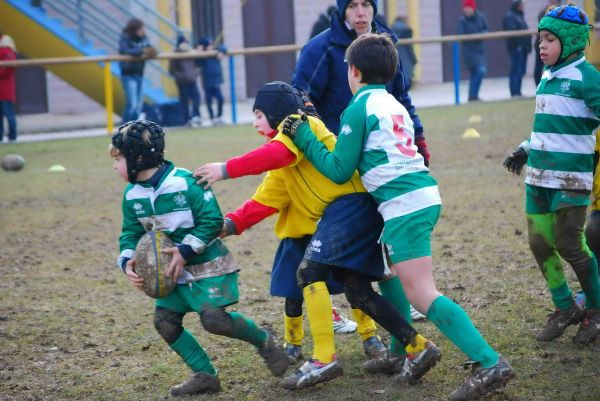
{"x":562,"y":296}
{"x":192,"y":353}
{"x":246,"y":330}
{"x":392,"y":290}
{"x":455,"y":324}
{"x":591,"y":286}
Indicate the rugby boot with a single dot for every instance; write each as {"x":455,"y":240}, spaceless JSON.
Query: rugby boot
{"x":416,"y":365}
{"x":293,"y":352}
{"x":275,"y":359}
{"x":558,"y":321}
{"x":341,"y":324}
{"x":198,"y":383}
{"x":589,"y":328}
{"x":312,"y":372}
{"x":386,"y":363}
{"x":373,"y":347}
{"x":482,"y":380}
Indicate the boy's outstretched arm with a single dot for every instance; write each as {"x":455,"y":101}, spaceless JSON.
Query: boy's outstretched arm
{"x":517,"y":159}
{"x":270,"y":156}
{"x":339,"y":164}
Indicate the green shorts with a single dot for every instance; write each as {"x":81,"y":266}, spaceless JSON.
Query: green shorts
{"x":198,"y":296}
{"x":539,"y":200}
{"x":409,"y":237}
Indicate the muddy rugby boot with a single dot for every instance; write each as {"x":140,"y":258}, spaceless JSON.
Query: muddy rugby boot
{"x":373,"y":347}
{"x":589,"y":328}
{"x":386,"y":363}
{"x":293,"y":352}
{"x":416,"y":365}
{"x":482,"y":380}
{"x":198,"y":383}
{"x":272,"y":353}
{"x":558,"y":321}
{"x":311,"y":373}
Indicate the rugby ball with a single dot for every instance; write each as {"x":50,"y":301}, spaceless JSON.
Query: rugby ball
{"x":151,"y":263}
{"x":12,"y":162}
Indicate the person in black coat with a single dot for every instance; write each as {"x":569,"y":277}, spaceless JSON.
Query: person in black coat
{"x":518,"y":47}
{"x":408,"y":59}
{"x":473,"y":53}
{"x":322,"y":22}
{"x":539,"y":64}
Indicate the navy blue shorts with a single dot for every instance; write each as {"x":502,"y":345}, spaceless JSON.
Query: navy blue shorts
{"x":347,"y":236}
{"x":287,"y":259}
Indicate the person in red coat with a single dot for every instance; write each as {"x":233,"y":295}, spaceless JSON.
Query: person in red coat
{"x":7,"y":88}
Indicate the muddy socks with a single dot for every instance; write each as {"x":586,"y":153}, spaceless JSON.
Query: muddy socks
{"x":192,"y":353}
{"x":365,"y":326}
{"x":455,"y":324}
{"x":392,"y":290}
{"x":294,"y":329}
{"x":318,"y":311}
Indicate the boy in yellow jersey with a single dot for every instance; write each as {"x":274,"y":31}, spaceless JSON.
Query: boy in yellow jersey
{"x":345,"y":227}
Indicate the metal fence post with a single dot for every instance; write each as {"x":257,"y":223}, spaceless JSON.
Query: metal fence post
{"x":232,"y":89}
{"x":108,"y":97}
{"x":456,"y":67}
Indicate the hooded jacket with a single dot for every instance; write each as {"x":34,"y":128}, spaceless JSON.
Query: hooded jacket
{"x":473,"y":51}
{"x":322,"y":73}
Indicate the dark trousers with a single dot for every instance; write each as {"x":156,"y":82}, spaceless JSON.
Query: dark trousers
{"x":518,"y":66}
{"x":477,"y":74}
{"x":189,"y":93}
{"x":211,"y":92}
{"x":7,"y":109}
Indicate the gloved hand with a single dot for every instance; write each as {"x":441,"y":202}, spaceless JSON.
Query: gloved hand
{"x":516,"y":160}
{"x":228,"y":228}
{"x":292,"y":123}
{"x":422,"y":149}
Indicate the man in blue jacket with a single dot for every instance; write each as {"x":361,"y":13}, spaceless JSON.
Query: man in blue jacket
{"x":322,"y":72}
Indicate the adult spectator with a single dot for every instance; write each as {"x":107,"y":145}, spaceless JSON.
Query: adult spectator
{"x":133,"y":42}
{"x":212,"y":78}
{"x":471,"y":22}
{"x":321,"y":70}
{"x":8,"y":52}
{"x":518,"y":47}
{"x":408,"y":59}
{"x":539,"y":64}
{"x":185,"y":72}
{"x":322,"y":22}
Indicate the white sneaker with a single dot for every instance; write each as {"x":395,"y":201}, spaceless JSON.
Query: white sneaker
{"x":311,"y":373}
{"x":415,"y":315}
{"x":341,"y":324}
{"x":195,"y":122}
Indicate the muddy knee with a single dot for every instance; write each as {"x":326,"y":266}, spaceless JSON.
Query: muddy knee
{"x":311,"y":272}
{"x":217,"y":321}
{"x":168,"y":324}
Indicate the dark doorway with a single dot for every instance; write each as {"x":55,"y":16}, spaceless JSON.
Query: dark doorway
{"x":267,"y":23}
{"x":498,"y":63}
{"x":32,"y":94}
{"x":207,"y":20}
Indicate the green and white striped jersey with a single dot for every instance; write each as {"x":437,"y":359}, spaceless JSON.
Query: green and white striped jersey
{"x":563,"y":139}
{"x":377,"y":138}
{"x":184,"y":211}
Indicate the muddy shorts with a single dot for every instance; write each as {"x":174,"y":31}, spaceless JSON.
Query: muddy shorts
{"x":539,"y":200}
{"x":198,"y":296}
{"x":347,"y":236}
{"x":409,"y":237}
{"x":287,"y":259}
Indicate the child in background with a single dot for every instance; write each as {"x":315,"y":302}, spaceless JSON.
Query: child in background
{"x":162,"y":197}
{"x":212,"y":78}
{"x":560,"y":163}
{"x":325,"y":228}
{"x":377,"y":138}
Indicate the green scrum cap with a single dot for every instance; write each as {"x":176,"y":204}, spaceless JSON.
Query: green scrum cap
{"x":570,"y":25}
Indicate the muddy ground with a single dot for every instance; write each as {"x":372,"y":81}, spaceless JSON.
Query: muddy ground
{"x":72,"y":328}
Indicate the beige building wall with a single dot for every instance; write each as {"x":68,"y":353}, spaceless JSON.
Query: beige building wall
{"x":233,"y":32}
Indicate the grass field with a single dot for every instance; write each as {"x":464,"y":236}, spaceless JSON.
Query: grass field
{"x":71,"y":326}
